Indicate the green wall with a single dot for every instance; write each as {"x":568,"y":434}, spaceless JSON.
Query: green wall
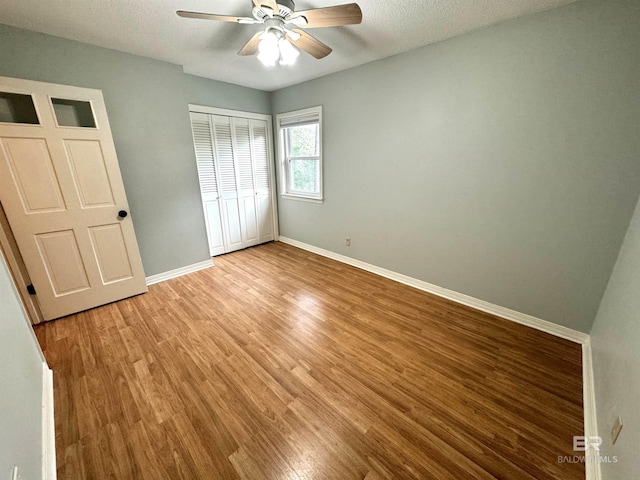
{"x":21,"y":364}
{"x":503,"y":164}
{"x":147,"y":105}
{"x":615,"y":339}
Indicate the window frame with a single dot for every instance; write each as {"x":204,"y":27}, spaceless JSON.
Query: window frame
{"x":285,"y":161}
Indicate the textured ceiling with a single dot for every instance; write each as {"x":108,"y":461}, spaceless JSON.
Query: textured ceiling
{"x":208,"y":49}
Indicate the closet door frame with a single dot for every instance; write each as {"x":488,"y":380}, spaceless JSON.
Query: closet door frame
{"x":193,"y":108}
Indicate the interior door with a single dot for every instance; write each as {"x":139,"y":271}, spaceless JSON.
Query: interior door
{"x":262,"y":179}
{"x":209,"y":187}
{"x":243,"y":155}
{"x":62,"y":192}
{"x":233,"y":155}
{"x":229,"y":202}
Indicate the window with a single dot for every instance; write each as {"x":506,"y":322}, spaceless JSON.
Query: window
{"x":300,"y":147}
{"x":17,"y":108}
{"x":73,"y":113}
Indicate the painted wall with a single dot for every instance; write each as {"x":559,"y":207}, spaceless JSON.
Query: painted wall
{"x":615,"y":341}
{"x":147,"y":105}
{"x":502,"y":164}
{"x":21,"y":386}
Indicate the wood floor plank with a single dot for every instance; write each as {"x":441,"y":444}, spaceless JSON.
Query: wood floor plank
{"x":278,"y":363}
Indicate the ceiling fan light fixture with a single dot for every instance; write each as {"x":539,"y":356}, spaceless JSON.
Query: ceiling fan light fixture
{"x":281,"y":40}
{"x":288,"y":53}
{"x":268,"y":51}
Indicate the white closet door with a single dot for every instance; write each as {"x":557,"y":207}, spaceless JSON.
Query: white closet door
{"x":223,"y":142}
{"x":262,"y":177}
{"x":209,"y":188}
{"x":234,"y":168}
{"x":244,"y":174}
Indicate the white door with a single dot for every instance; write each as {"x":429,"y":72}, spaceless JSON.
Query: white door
{"x":62,"y":192}
{"x":224,"y":161}
{"x":262,"y":177}
{"x":243,"y":156}
{"x":209,"y":188}
{"x":234,"y":167}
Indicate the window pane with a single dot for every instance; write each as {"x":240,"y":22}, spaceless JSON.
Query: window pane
{"x":303,"y":141}
{"x":17,"y":108}
{"x":305,"y":176}
{"x":73,"y":113}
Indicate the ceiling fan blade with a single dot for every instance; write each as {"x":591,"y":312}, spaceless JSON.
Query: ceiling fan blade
{"x":212,"y":16}
{"x":251,"y":47}
{"x":309,"y":44}
{"x":348,"y":14}
{"x":267,"y":3}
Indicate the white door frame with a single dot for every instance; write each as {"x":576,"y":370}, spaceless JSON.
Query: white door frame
{"x":270,"y":146}
{"x":18,"y":270}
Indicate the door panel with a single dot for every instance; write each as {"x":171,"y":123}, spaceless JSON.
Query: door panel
{"x":33,"y":174}
{"x":61,"y":257}
{"x":224,"y":161}
{"x":232,"y":222}
{"x":208,"y":179}
{"x":214,"y":227}
{"x":89,"y":173}
{"x":61,"y":190}
{"x":250,"y":220}
{"x":262,"y":177}
{"x":110,"y":251}
{"x":265,"y":218}
{"x":243,"y":159}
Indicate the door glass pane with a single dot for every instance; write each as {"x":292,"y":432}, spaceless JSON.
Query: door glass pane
{"x":305,"y":176}
{"x":17,"y":108}
{"x":73,"y":113}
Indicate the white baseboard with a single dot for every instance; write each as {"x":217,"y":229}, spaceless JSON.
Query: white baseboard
{"x":48,"y":425}
{"x":178,"y":272}
{"x":506,"y":313}
{"x":589,"y":407}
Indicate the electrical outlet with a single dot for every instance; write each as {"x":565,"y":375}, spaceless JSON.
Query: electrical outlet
{"x":616,"y":429}
{"x":347,"y":242}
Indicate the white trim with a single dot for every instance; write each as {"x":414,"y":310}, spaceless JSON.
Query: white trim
{"x":506,"y":313}
{"x":228,"y":113}
{"x":18,"y":270}
{"x":281,"y":164}
{"x":589,"y":406}
{"x":48,"y":425}
{"x":300,"y":198}
{"x":178,"y":272}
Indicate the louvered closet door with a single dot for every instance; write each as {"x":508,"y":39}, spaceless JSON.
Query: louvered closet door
{"x":209,"y":188}
{"x":232,"y":155}
{"x":243,"y":157}
{"x":261,"y":176}
{"x":224,"y":156}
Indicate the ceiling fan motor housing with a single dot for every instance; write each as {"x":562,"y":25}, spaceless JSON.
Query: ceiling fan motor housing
{"x":285,"y":10}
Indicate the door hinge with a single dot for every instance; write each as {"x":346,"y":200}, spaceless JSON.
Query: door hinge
{"x":31,"y":289}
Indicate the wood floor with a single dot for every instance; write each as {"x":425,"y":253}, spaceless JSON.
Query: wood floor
{"x":280,"y":364}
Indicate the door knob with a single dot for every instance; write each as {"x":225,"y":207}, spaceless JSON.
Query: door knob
{"x":122,"y":214}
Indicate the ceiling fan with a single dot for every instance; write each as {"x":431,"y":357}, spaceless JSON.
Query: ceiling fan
{"x":283,"y":28}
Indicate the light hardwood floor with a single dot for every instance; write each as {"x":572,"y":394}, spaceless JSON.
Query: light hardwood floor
{"x":281,"y":364}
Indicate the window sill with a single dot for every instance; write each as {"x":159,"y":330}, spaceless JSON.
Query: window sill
{"x":301,"y":198}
